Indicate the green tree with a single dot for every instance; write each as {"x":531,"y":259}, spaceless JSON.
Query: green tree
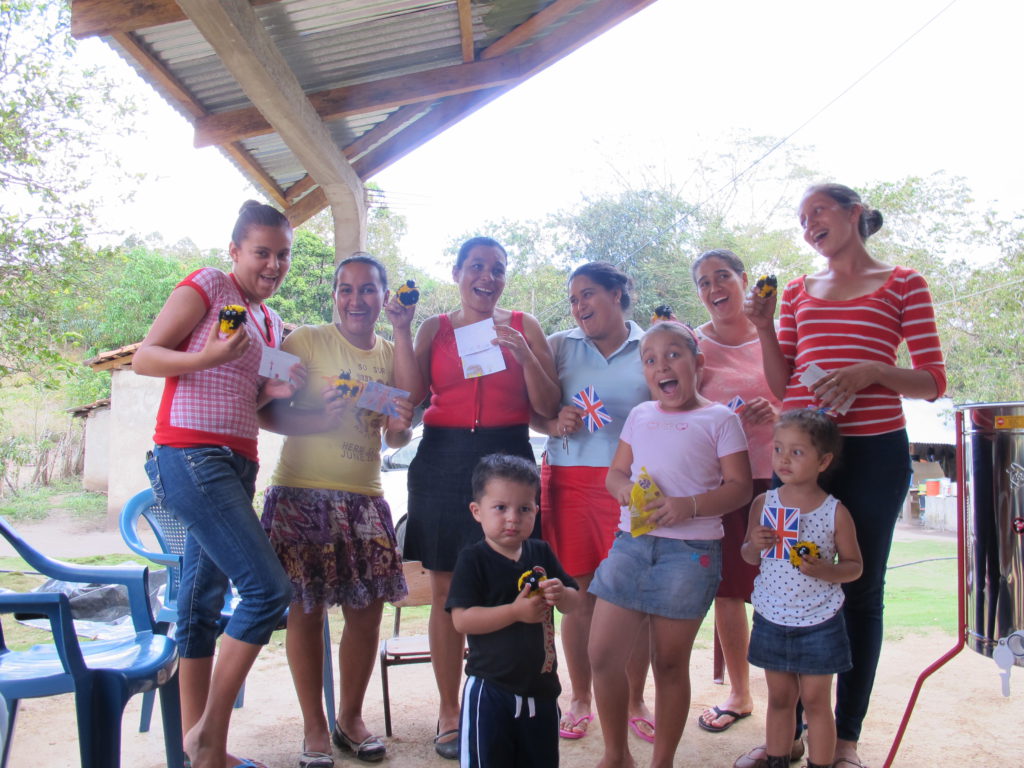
{"x":49,"y":128}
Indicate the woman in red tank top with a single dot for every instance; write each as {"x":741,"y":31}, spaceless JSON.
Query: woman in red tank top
{"x":467,"y":419}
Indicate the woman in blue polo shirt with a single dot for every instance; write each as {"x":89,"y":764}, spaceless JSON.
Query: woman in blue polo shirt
{"x":579,"y":515}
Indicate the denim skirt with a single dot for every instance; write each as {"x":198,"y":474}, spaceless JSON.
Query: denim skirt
{"x":673,"y":578}
{"x":821,"y":649}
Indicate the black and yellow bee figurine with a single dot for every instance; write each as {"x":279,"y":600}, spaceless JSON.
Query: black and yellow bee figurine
{"x":231,"y":318}
{"x":407,"y":293}
{"x":766,"y":286}
{"x":346,"y":385}
{"x":800,"y":550}
{"x":662,"y":314}
{"x":533,"y":577}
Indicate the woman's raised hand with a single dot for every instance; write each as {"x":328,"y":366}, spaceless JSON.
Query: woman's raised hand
{"x":760,"y":310}
{"x":219,"y":351}
{"x":514,"y":342}
{"x":399,"y":315}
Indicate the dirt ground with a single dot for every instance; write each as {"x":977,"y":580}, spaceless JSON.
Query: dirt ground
{"x":961,"y":718}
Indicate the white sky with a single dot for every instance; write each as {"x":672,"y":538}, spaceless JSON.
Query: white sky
{"x":658,"y":90}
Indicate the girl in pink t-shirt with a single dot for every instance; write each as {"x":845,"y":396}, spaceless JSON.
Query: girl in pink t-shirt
{"x":696,"y":452}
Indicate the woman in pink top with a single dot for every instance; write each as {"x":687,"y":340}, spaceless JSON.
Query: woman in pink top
{"x":468,"y":418}
{"x":839,"y":331}
{"x":734,"y":377}
{"x":203,"y":469}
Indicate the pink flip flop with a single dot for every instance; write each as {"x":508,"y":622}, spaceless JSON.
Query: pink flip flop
{"x":573,"y":723}
{"x":636,"y":722}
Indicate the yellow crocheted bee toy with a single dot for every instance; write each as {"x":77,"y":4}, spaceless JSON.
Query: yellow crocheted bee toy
{"x":766,"y":286}
{"x":407,"y":293}
{"x":231,"y":318}
{"x":533,"y":577}
{"x":800,"y":550}
{"x":662,"y":313}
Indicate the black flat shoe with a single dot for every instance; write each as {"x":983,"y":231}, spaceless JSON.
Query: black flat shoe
{"x":369,"y":750}
{"x":449,"y":750}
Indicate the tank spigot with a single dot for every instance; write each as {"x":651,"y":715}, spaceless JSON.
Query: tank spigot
{"x":1005,"y":655}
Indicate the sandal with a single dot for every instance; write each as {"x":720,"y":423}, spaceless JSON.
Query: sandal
{"x":369,"y":750}
{"x":634,"y":726}
{"x":567,"y":729}
{"x":707,"y":719}
{"x":749,"y":761}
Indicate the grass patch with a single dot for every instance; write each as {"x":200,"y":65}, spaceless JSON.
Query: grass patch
{"x":920,"y":594}
{"x":38,"y":503}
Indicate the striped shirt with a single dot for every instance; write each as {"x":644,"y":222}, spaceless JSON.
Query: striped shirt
{"x":217,"y":406}
{"x":836,"y":334}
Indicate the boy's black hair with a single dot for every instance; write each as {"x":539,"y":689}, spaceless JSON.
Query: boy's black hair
{"x":503,"y":466}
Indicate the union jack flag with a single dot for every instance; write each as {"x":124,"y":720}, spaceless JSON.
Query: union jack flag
{"x":785,"y":521}
{"x":595,"y":415}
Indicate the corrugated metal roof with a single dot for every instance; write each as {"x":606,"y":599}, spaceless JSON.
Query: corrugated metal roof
{"x":335,"y":43}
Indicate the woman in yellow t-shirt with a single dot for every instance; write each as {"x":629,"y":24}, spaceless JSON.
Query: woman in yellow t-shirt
{"x":325,"y":513}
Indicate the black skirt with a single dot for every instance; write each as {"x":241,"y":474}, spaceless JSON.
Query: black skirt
{"x":440,"y":523}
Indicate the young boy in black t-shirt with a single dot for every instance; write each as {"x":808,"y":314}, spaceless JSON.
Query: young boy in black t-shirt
{"x":501,"y":595}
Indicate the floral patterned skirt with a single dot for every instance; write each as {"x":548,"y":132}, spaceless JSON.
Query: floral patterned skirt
{"x":338,"y":548}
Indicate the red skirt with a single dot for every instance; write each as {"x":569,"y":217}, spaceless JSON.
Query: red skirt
{"x":737,"y":574}
{"x":579,"y":516}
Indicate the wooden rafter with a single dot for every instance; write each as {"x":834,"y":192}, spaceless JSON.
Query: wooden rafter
{"x":307,"y":207}
{"x":532,"y":26}
{"x":163,"y":77}
{"x":499,"y":65}
{"x":90,"y":18}
{"x":466,"y":30}
{"x":248,"y":52}
{"x":587,"y":25}
{"x":350,"y":100}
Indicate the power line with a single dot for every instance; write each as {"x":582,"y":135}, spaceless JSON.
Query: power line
{"x":995,"y":287}
{"x":796,"y":130}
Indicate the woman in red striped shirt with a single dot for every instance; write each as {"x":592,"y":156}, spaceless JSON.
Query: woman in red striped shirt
{"x":835,"y":349}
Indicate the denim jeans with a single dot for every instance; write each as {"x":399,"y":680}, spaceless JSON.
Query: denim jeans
{"x":210,"y":490}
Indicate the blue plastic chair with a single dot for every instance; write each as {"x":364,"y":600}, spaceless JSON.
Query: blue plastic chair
{"x":170,"y":536}
{"x":103,"y":674}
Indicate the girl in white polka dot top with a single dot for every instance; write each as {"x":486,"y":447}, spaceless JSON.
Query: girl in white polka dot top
{"x":805,"y":543}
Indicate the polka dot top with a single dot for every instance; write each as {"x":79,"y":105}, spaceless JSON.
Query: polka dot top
{"x":784,"y":595}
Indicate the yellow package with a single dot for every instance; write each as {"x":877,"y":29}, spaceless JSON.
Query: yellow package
{"x":644,"y":491}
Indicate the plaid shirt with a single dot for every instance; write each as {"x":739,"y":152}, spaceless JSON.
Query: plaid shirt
{"x":217,"y":406}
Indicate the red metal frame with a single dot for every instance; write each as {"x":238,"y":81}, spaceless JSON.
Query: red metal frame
{"x":961,"y":601}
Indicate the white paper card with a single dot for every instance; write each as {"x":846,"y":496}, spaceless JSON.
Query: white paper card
{"x":479,"y":356}
{"x":814,"y":373}
{"x":275,"y":363}
{"x":475,"y":337}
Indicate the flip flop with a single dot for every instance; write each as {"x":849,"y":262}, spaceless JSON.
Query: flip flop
{"x":843,"y":761}
{"x":570,"y":732}
{"x":634,"y":726}
{"x":709,"y":726}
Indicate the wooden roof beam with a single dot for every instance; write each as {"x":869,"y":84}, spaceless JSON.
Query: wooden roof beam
{"x":533,"y":25}
{"x":508,"y":68}
{"x":466,"y":30}
{"x":91,"y":18}
{"x":248,"y":53}
{"x":177,"y":91}
{"x":587,"y":25}
{"x":386,"y":93}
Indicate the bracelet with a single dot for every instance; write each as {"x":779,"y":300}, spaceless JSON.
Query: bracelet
{"x":694,"y":507}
